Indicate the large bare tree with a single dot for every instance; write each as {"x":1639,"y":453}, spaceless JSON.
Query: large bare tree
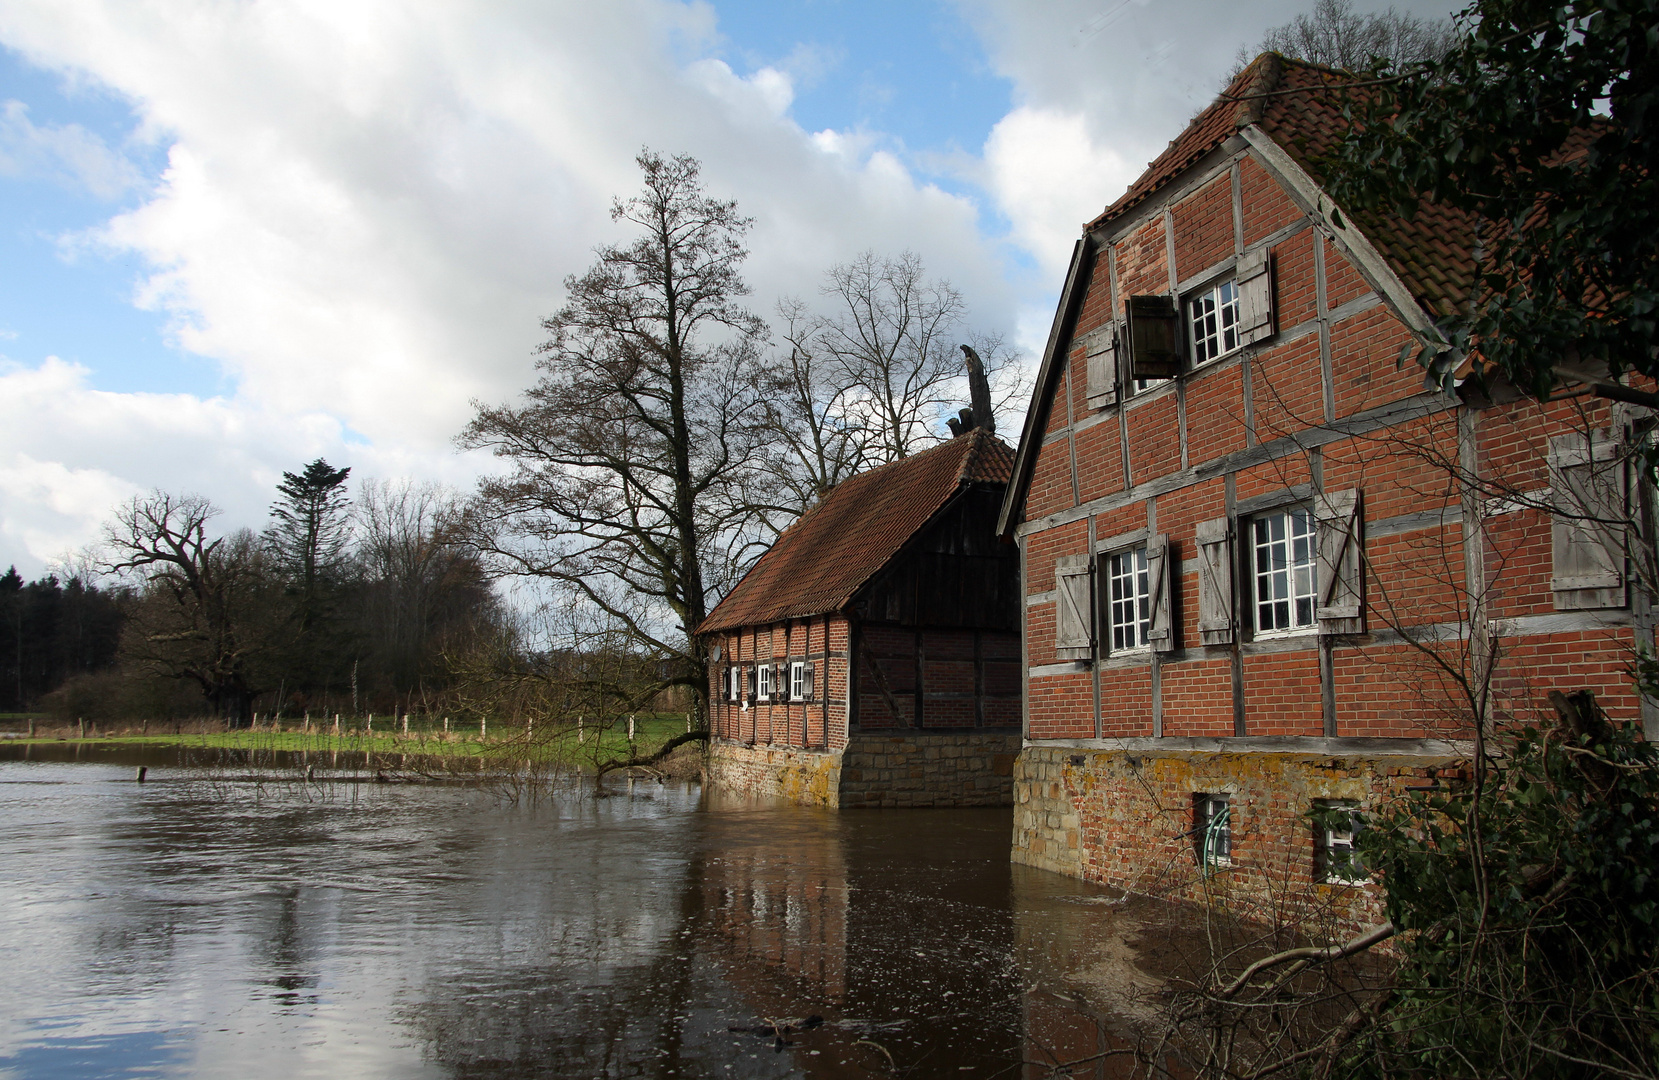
{"x":871,"y":376}
{"x":629,"y":460}
{"x":208,"y":606}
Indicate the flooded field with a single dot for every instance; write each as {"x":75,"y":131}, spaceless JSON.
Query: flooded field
{"x":202,"y":925}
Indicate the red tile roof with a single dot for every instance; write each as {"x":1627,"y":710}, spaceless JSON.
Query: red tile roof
{"x":1299,"y":105}
{"x":822,"y":560}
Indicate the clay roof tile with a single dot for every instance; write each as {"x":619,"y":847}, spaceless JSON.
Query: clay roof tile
{"x":821,"y":561}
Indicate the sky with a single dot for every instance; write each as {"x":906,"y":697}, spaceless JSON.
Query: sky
{"x":237,"y":236}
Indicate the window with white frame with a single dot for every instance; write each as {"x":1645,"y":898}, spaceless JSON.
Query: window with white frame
{"x":763,"y":688}
{"x":1336,"y":824}
{"x":1212,"y":829}
{"x":1213,"y":322}
{"x":1284,"y":550}
{"x":734,"y":682}
{"x":1129,"y":599}
{"x":800,"y":681}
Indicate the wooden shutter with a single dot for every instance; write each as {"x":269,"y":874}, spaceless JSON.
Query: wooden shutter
{"x":1158,"y":561}
{"x":1073,"y":615}
{"x":1215,"y":581}
{"x":1340,"y":605}
{"x":1587,"y":484}
{"x":1154,"y":337}
{"x":1100,"y":357}
{"x":807,"y":680}
{"x":1255,"y":297}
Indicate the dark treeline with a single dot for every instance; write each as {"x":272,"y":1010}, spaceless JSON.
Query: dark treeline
{"x":51,"y":630}
{"x":341,"y":605}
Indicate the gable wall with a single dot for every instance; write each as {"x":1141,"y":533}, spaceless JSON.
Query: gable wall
{"x":1198,"y":448}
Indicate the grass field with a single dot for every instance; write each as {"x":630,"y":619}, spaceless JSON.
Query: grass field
{"x":551,"y":746}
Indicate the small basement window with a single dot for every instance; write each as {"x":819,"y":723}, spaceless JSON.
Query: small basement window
{"x":1336,"y":824}
{"x":1212,"y":829}
{"x":1284,"y":567}
{"x":1213,"y":322}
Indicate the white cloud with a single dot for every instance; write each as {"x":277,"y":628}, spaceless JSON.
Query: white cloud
{"x":1047,"y":173}
{"x":368,"y":207}
{"x":67,"y":153}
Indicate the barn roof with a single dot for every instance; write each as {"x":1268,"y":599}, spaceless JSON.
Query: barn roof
{"x":819,"y":563}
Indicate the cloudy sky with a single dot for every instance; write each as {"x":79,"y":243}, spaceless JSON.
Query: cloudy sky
{"x":235,"y":236}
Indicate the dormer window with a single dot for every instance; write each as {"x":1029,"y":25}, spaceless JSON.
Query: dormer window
{"x":1213,"y":322}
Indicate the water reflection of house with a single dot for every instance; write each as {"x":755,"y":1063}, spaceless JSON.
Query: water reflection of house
{"x":871,"y":657}
{"x":1246,"y":547}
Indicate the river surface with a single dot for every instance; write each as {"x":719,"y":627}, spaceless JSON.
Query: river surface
{"x":201,"y":924}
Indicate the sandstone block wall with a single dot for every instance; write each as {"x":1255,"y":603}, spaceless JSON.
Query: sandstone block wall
{"x":885,"y":770}
{"x":929,"y":770}
{"x":811,"y":777}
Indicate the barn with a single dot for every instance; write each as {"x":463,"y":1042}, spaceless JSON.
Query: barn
{"x":872,"y":656}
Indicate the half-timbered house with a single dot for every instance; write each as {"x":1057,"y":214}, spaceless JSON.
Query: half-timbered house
{"x":1266,"y":572}
{"x":871,"y":656}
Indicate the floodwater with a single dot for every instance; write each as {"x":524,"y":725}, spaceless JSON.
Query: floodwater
{"x":203,"y":925}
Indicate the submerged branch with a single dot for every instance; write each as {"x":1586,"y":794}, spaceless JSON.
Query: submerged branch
{"x":633,"y":762}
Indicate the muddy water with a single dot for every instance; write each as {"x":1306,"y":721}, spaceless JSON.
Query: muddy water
{"x":201,"y":925}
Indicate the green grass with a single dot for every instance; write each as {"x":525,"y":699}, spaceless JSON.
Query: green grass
{"x":501,"y":741}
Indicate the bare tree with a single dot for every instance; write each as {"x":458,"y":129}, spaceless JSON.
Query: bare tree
{"x":208,"y":605}
{"x":629,"y":460}
{"x":422,"y":592}
{"x":1335,"y":35}
{"x":872,"y":379}
{"x":821,"y":435}
{"x":892,"y":332}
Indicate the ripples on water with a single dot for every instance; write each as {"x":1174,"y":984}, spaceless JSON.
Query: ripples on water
{"x":198,"y":925}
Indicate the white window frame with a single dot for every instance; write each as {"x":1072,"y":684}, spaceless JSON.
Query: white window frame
{"x":1213,"y":847}
{"x":1351,"y":871}
{"x":734,"y":682}
{"x":763,"y":683}
{"x":1212,"y":321}
{"x":1299,"y":576}
{"x":797,"y":680}
{"x":1130,"y":566}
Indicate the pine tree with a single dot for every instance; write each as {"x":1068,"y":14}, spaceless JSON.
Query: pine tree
{"x":310,"y":526}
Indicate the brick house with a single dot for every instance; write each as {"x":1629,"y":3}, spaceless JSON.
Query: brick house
{"x":871,"y":656}
{"x":1261,"y":562}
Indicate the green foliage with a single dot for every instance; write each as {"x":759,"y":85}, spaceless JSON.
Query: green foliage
{"x":1539,"y":127}
{"x":1530,"y":911}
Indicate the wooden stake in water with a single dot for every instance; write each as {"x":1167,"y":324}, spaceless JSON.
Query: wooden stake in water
{"x":140,"y":776}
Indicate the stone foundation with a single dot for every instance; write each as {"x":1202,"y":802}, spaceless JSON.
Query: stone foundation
{"x":1120,"y":813}
{"x":899,"y":769}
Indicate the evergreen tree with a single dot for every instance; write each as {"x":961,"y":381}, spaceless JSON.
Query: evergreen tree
{"x":310,"y":526}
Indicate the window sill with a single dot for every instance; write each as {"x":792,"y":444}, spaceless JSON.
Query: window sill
{"x":1280,"y":635}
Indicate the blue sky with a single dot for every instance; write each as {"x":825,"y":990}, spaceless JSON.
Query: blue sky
{"x":234,"y":237}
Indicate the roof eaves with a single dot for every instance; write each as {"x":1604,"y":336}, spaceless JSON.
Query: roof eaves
{"x":1042,"y":396}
